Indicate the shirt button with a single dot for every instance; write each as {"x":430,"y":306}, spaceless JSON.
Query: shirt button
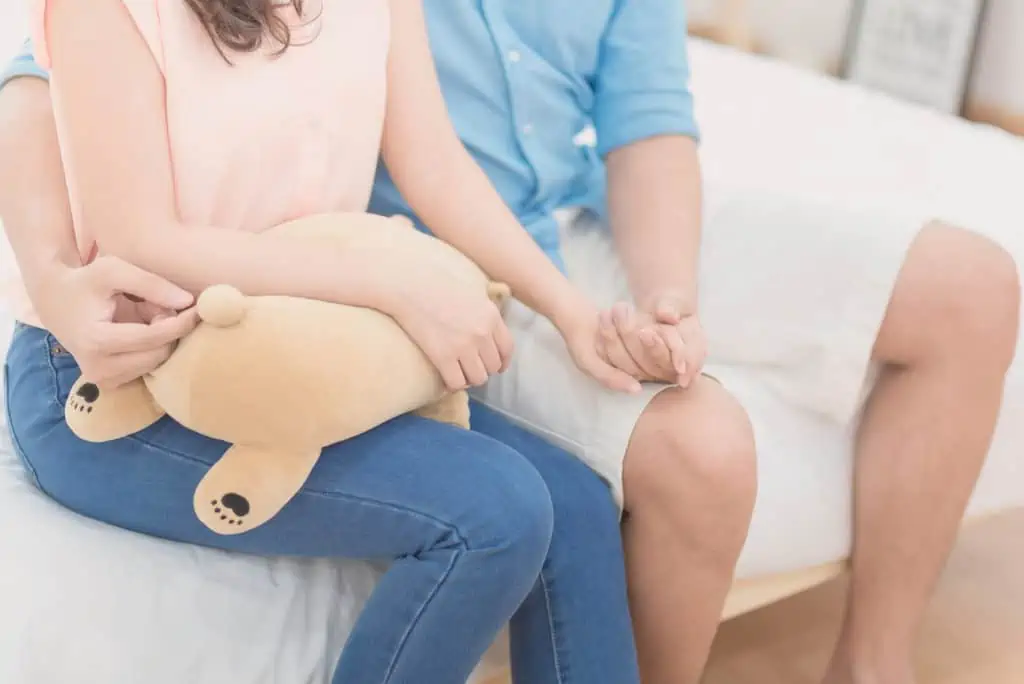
{"x":514,"y":56}
{"x":527,"y":129}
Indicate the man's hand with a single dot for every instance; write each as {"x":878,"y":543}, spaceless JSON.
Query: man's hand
{"x":118,"y":321}
{"x":671,"y":308}
{"x":636,"y":344}
{"x":661,"y":343}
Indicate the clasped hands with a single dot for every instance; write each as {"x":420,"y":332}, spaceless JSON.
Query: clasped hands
{"x":661,"y":342}
{"x":625,"y":345}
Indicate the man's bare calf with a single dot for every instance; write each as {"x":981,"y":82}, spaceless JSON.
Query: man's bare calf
{"x":947,"y":341}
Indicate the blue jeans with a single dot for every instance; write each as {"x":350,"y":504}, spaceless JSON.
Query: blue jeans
{"x":482,"y":527}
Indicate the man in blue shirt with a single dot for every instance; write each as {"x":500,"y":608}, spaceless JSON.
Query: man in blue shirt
{"x":807,"y":308}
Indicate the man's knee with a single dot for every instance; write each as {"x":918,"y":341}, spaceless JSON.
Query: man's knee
{"x":958,"y":292}
{"x":691,"y":448}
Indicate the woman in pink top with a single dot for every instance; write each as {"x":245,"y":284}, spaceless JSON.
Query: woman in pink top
{"x":187,"y":128}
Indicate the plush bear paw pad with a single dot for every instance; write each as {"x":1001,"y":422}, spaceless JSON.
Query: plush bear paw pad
{"x":231,"y":508}
{"x":85,"y":397}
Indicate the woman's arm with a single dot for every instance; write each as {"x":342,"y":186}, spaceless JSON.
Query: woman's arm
{"x":445,"y":186}
{"x":33,"y":195}
{"x":109,"y":102}
{"x":77,"y":304}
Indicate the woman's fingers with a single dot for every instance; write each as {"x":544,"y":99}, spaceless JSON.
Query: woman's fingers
{"x":657,"y":352}
{"x":646,"y":348}
{"x":491,"y":357}
{"x":608,"y":375}
{"x":474,"y":369}
{"x":677,"y":351}
{"x":505,"y":344}
{"x":122,"y":338}
{"x":614,"y":350}
{"x":119,"y":369}
{"x":452,"y":376}
{"x":629,"y":337}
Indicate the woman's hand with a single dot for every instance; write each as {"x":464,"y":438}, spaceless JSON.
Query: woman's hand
{"x":461,"y":332}
{"x":580,"y":327}
{"x":118,"y":321}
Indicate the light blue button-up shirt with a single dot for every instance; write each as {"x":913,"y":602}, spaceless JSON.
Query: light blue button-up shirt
{"x":523,"y":78}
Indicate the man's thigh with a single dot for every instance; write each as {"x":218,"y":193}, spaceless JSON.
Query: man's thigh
{"x":795,"y":290}
{"x":544,"y":392}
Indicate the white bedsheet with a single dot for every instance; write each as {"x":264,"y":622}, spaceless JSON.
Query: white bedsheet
{"x":81,"y":602}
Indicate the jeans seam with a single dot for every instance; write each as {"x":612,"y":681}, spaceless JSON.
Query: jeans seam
{"x":48,"y":343}
{"x":416,"y":618}
{"x":552,"y":630}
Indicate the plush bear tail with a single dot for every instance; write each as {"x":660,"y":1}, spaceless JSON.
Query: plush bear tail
{"x":221,"y":305}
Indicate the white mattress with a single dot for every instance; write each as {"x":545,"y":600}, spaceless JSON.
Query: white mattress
{"x":86,"y":603}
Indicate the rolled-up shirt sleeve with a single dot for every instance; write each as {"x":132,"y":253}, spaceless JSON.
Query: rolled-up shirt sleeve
{"x":23,"y":64}
{"x":642,"y":87}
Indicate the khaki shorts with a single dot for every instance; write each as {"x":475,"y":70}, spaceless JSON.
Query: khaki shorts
{"x":793,"y":293}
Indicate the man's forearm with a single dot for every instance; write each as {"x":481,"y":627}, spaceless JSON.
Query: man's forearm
{"x":34,"y":202}
{"x":654,"y":202}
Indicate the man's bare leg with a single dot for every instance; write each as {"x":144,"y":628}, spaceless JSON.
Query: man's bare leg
{"x":690,"y":484}
{"x":947,"y":341}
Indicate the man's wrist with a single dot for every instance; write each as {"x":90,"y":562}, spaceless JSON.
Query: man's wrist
{"x":684,"y":298}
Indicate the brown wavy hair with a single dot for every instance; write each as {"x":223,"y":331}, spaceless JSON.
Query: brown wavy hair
{"x":244,"y":25}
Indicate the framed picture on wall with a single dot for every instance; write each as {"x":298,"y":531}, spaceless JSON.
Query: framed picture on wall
{"x":919,"y":50}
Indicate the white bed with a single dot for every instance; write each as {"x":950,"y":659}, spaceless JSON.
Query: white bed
{"x":86,"y":603}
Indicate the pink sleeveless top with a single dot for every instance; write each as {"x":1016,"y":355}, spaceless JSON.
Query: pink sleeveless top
{"x":270,"y":138}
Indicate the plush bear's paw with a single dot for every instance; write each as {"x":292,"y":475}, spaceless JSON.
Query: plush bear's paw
{"x":231,"y":509}
{"x":103,"y":415}
{"x":452,"y":408}
{"x":249,"y":485}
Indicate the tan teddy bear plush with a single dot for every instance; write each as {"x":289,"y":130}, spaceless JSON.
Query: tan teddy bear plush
{"x":280,"y":378}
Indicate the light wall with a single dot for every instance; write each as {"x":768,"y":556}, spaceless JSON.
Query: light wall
{"x":809,"y":32}
{"x":813,"y":33}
